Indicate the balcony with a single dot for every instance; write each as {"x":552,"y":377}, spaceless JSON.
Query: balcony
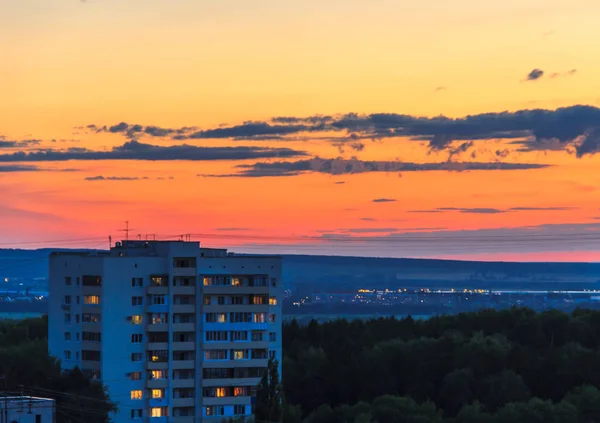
{"x":184,"y":271}
{"x":184,"y":327}
{"x":185,"y":383}
{"x":184,"y":290}
{"x":183,"y":402}
{"x":157,"y":346}
{"x":184,"y":346}
{"x":182,"y":419}
{"x":157,"y":365}
{"x":158,"y":402}
{"x":157,"y":290}
{"x":235,"y":326}
{"x":158,"y":308}
{"x":183,"y":364}
{"x":162,"y":419}
{"x":184,"y":308}
{"x":161,"y":327}
{"x":157,"y":383}
{"x":235,"y":290}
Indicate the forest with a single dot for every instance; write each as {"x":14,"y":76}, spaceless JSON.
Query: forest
{"x":484,"y":367}
{"x":510,"y":366}
{"x":26,"y":368}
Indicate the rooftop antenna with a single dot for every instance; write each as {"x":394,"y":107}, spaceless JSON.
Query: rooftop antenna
{"x":126,"y":230}
{"x":110,"y":242}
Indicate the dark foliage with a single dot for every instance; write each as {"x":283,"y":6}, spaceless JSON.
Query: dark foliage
{"x":489,"y":366}
{"x":27,"y":368}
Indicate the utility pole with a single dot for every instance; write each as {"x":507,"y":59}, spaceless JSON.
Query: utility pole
{"x":5,"y":414}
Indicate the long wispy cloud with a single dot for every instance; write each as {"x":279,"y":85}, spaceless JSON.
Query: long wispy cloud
{"x":355,"y":166}
{"x":536,"y":129}
{"x":489,"y":210}
{"x":134,"y":150}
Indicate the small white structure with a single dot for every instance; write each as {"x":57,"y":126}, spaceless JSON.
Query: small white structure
{"x":24,"y":409}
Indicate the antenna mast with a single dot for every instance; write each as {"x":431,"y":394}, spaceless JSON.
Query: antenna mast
{"x":126,"y":230}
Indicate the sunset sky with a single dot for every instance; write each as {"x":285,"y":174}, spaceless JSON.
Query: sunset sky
{"x":458,"y":129}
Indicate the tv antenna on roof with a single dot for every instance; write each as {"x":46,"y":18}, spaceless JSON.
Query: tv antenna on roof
{"x":126,"y":230}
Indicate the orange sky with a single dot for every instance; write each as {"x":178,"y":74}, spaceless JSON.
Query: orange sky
{"x":211,"y":65}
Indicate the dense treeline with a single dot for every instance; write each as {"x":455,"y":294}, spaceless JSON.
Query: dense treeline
{"x":490,"y":366}
{"x":26,"y":367}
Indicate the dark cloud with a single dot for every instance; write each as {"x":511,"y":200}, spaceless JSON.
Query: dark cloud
{"x":440,"y":88}
{"x":534,"y":130}
{"x":502,"y":153}
{"x":354,"y":166}
{"x":384,"y":200}
{"x":114,"y":178}
{"x":590,"y":143}
{"x":121,"y":127}
{"x":368,"y":219}
{"x":134,"y":150}
{"x":477,"y":210}
{"x":489,"y":210}
{"x":313,"y":120}
{"x":19,"y":168}
{"x":538,"y":126}
{"x":339,"y":183}
{"x":542,"y":208}
{"x":535,"y":75}
{"x":368,"y":230}
{"x":232,"y":229}
{"x":4,"y":143}
{"x":254,"y":129}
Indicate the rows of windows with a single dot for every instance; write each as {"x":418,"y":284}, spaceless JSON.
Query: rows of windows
{"x":238,"y":354}
{"x":162,"y":374}
{"x":222,"y":280}
{"x":160,"y":356}
{"x":233,"y":373}
{"x":229,"y":391}
{"x":219,"y":410}
{"x":240,"y":317}
{"x":238,"y":336}
{"x":252,"y":299}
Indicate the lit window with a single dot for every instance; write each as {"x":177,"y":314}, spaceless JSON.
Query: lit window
{"x":91,"y":299}
{"x":272,"y":301}
{"x":158,"y":393}
{"x":207,"y":280}
{"x":136,"y":376}
{"x":159,"y":374}
{"x":136,"y":319}
{"x":220,"y":392}
{"x":240,"y":354}
{"x":239,"y":391}
{"x":260,"y":317}
{"x":136,"y":394}
{"x":158,"y":412}
{"x":236,"y":282}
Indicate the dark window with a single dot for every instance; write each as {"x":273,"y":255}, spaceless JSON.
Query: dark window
{"x":88,"y":355}
{"x":38,"y":418}
{"x":88,"y":280}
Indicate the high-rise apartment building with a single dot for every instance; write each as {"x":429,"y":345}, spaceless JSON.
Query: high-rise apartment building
{"x":178,"y":333}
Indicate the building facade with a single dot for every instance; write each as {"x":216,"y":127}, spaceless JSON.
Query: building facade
{"x":26,"y":409}
{"x":177,"y":333}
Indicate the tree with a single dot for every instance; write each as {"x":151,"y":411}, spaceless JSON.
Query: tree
{"x":269,"y":395}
